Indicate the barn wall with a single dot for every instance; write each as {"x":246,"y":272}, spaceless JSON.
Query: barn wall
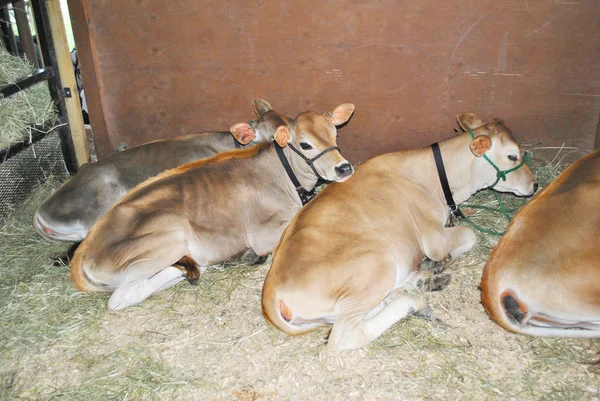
{"x":160,"y":69}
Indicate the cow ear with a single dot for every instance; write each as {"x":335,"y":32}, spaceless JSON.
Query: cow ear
{"x":480,"y":144}
{"x":243,"y":133}
{"x":468,"y":120}
{"x":261,"y":107}
{"x":282,"y":136}
{"x":340,"y":114}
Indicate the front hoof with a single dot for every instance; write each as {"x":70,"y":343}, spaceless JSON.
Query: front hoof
{"x":427,"y":314}
{"x":435,"y":282}
{"x":192,"y":281}
{"x":433,"y":266}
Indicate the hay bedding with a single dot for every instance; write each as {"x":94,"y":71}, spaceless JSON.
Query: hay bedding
{"x":21,"y":111}
{"x":211,"y":342}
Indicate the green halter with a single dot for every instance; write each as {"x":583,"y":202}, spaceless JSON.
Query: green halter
{"x":501,"y":174}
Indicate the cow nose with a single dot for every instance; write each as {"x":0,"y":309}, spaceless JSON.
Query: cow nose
{"x":535,"y":187}
{"x":48,"y":231}
{"x":344,"y":170}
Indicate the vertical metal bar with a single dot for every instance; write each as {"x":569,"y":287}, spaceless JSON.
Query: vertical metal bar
{"x":7,"y":33}
{"x":40,"y":13}
{"x":597,"y":141}
{"x":25,"y":31}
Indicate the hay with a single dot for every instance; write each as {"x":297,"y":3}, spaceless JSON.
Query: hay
{"x":30,"y":107}
{"x":211,"y":342}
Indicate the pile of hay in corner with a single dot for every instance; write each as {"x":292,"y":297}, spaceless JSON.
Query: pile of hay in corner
{"x":30,"y":107}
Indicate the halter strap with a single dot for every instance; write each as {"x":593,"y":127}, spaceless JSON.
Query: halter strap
{"x":305,"y":196}
{"x":311,"y":161}
{"x":439,"y":163}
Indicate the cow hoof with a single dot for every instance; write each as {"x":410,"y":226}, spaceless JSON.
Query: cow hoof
{"x":251,"y":258}
{"x":433,"y":266}
{"x":192,"y":281}
{"x":427,"y":314}
{"x":190,"y":267}
{"x":435,"y":282}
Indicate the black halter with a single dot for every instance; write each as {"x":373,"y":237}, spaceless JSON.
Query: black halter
{"x":311,"y":161}
{"x":439,"y":163}
{"x":305,"y":196}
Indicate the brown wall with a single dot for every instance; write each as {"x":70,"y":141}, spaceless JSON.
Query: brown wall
{"x":158,"y":69}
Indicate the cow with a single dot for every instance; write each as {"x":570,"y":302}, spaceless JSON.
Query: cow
{"x":174,"y":225}
{"x":68,"y":213}
{"x":543,"y":276}
{"x":346,"y":256}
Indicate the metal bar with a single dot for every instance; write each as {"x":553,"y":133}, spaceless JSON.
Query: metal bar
{"x":37,"y":133}
{"x":597,"y":141}
{"x":39,"y":76}
{"x":40,"y":13}
{"x":7,"y":33}
{"x":25,"y":31}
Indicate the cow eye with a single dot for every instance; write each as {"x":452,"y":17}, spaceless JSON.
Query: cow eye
{"x":305,"y":146}
{"x":513,"y":158}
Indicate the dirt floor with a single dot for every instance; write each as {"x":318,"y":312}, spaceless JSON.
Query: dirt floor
{"x":210,"y":341}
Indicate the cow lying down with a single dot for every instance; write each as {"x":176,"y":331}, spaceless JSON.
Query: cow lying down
{"x":68,"y":213}
{"x":206,"y":212}
{"x":543,"y":276}
{"x":345,"y":256}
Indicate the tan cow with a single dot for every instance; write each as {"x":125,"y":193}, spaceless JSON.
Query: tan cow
{"x":68,"y":213}
{"x":209,"y":211}
{"x":345,"y":255}
{"x":543,"y":276}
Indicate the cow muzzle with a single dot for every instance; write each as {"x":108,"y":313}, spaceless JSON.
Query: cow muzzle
{"x":53,"y":234}
{"x":343,"y":171}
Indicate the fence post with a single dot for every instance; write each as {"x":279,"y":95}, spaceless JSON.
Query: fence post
{"x":67,"y":77}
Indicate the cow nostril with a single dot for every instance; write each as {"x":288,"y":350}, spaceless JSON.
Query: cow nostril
{"x":344,"y":169}
{"x":535,"y":187}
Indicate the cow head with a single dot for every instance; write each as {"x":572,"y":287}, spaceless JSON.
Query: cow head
{"x":313,"y":137}
{"x":504,"y":168}
{"x":261,"y":130}
{"x":67,"y":215}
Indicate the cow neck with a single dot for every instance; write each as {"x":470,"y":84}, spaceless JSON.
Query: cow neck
{"x":304,"y":194}
{"x":460,"y":168}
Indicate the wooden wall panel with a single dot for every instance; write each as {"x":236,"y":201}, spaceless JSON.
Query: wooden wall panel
{"x":169,"y":68}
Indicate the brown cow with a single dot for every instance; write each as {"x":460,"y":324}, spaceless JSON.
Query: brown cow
{"x":543,"y":276}
{"x":209,"y":211}
{"x":344,"y":257}
{"x":68,"y":213}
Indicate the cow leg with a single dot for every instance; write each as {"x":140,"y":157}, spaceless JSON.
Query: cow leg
{"x":192,"y":270}
{"x":137,"y":286}
{"x":425,"y":280}
{"x":148,"y":264}
{"x":438,"y":243}
{"x":354,"y":331}
{"x":433,"y":266}
{"x":250,"y":257}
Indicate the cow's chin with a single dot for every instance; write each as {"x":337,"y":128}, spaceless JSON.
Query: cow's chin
{"x":343,"y":178}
